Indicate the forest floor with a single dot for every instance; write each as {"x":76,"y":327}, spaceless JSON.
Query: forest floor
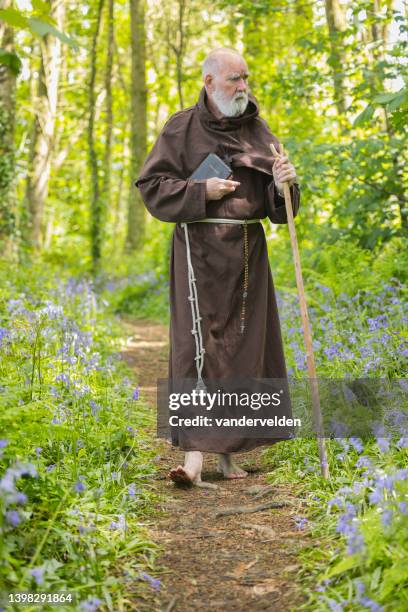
{"x":238,"y":562}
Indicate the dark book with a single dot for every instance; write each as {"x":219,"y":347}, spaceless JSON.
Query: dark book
{"x":210,"y":167}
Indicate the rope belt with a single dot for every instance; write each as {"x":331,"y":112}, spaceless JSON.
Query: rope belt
{"x":193,"y":296}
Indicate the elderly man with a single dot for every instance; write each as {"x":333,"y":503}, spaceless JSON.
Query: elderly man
{"x":219,"y":257}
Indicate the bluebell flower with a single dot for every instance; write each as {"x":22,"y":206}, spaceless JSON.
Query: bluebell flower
{"x":401,"y":474}
{"x":20,"y":498}
{"x":383,"y":444}
{"x":79,"y":487}
{"x":25,"y":469}
{"x":371,"y":604}
{"x":13,"y":518}
{"x":376,"y":497}
{"x":120,"y":523}
{"x":349,"y":395}
{"x":357,"y":444}
{"x":386,"y":517}
{"x":364,"y":461}
{"x":131,"y":489}
{"x":334,"y":606}
{"x":360,"y":587}
{"x":154,"y":582}
{"x":355,"y":543}
{"x":95,"y":408}
{"x":38,"y":574}
{"x":336,"y":501}
{"x":90,"y":605}
{"x":300,"y":522}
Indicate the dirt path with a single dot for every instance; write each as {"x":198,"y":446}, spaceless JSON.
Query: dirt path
{"x":241,"y":562}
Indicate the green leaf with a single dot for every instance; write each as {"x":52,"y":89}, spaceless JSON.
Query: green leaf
{"x":400,"y":99}
{"x":41,"y":6}
{"x":385,"y":98}
{"x":14,"y":18}
{"x":343,"y":566}
{"x":41,"y":28}
{"x":375,"y":579}
{"x":364,"y":116}
{"x":11,"y":60}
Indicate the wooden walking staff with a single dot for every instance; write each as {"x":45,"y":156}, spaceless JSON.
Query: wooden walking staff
{"x":317,"y":413}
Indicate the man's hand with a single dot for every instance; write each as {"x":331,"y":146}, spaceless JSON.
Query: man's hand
{"x":216,"y":188}
{"x":283,"y":171}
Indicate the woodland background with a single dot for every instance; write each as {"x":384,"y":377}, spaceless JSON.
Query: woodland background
{"x":85,"y":87}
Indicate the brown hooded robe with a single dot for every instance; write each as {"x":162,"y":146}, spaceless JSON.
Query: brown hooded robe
{"x":217,"y":250}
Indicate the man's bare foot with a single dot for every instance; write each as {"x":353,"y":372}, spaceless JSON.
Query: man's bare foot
{"x":190,"y":473}
{"x":180,"y":476}
{"x":229,"y":468}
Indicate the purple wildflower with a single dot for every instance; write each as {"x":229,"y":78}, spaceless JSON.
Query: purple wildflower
{"x":13,"y":518}
{"x":376,"y":497}
{"x":401,"y":474}
{"x":386,"y":517}
{"x":300,"y":522}
{"x":403,"y":442}
{"x":154,"y":582}
{"x":355,"y":543}
{"x":79,"y":487}
{"x":336,"y":501}
{"x":21,"y":498}
{"x":119,"y":524}
{"x":383,"y":444}
{"x":358,"y":445}
{"x":371,"y":604}
{"x":131,"y":489}
{"x":90,"y":605}
{"x":38,"y":574}
{"x":363,"y":462}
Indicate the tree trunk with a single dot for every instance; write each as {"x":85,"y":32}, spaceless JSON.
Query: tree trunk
{"x":380,"y":34}
{"x":138,"y":117}
{"x":42,"y":139}
{"x":7,"y":124}
{"x":96,"y":199}
{"x":179,"y":51}
{"x":106,"y":186}
{"x":336,"y":24}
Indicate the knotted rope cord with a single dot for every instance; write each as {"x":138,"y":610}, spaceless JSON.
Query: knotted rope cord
{"x":195,"y":313}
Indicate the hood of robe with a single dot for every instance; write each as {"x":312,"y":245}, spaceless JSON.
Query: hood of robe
{"x":241,"y":141}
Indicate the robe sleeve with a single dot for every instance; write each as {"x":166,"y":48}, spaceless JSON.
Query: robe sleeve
{"x":165,"y":190}
{"x":275,"y":204}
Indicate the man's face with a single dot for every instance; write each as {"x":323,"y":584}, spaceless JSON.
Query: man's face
{"x":229,"y":88}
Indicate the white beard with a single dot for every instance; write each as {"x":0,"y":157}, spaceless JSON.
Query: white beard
{"x":231,"y":107}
